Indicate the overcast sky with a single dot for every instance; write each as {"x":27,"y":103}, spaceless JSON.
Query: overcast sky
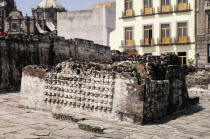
{"x":71,"y":5}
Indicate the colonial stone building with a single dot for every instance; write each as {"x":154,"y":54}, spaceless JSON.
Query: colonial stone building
{"x":43,"y":20}
{"x":203,"y":34}
{"x":50,"y":17}
{"x":46,"y":15}
{"x":155,"y":27}
{"x":6,"y":6}
{"x":95,"y":24}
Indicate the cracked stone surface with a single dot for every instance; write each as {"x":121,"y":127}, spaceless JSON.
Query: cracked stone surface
{"x":20,"y":123}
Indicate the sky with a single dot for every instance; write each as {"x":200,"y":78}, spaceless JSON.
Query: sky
{"x":71,"y":5}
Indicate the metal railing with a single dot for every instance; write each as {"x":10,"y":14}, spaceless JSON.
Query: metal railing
{"x":147,"y":42}
{"x":128,"y":13}
{"x":182,"y":7}
{"x":165,"y":41}
{"x":182,"y":40}
{"x":148,"y":11}
{"x":125,"y":43}
{"x":165,"y":9}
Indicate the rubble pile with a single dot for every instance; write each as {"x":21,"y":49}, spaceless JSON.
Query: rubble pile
{"x":151,"y":67}
{"x":142,"y":67}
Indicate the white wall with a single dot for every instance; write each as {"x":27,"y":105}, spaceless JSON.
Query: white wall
{"x":156,"y":20}
{"x":91,"y":24}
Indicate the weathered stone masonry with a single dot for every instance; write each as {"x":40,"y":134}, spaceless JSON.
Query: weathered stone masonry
{"x":124,"y":91}
{"x":17,"y":52}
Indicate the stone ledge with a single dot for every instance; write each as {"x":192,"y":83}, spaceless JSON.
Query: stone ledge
{"x":95,"y":126}
{"x":69,"y":116}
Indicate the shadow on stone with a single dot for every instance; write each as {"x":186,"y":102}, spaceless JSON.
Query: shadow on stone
{"x":4,"y":91}
{"x":182,"y":113}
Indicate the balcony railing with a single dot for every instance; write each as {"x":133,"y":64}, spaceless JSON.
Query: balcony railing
{"x":182,"y":7}
{"x":165,"y":41}
{"x":148,"y":11}
{"x":147,"y":42}
{"x":130,"y":43}
{"x":165,"y":9}
{"x":207,"y":5}
{"x":182,"y":40}
{"x":128,"y":13}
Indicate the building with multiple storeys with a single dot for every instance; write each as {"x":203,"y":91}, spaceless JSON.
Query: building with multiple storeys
{"x":155,"y":27}
{"x":203,"y":34}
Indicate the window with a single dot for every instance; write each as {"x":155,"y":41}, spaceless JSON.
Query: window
{"x":148,"y":34}
{"x":129,"y":36}
{"x":182,"y":29}
{"x":165,"y":6}
{"x":208,"y":53}
{"x":14,"y":27}
{"x":182,"y":57}
{"x":129,"y":7}
{"x":128,"y":4}
{"x":182,"y":1}
{"x":40,"y":15}
{"x":165,"y":30}
{"x":148,"y":7}
{"x":147,"y":3}
{"x":165,"y":2}
{"x":182,"y":5}
{"x":165,"y":33}
{"x":182,"y":32}
{"x":51,"y":15}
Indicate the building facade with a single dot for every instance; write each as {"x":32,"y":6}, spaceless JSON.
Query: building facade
{"x":6,"y":6}
{"x":16,"y":23}
{"x":46,"y":15}
{"x":95,"y":24}
{"x":155,"y":27}
{"x":203,"y":34}
{"x":42,"y":21}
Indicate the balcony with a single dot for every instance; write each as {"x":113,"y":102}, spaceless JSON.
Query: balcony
{"x":182,"y":7}
{"x":182,"y":40}
{"x":128,"y":13}
{"x":165,"y":41}
{"x":165,"y":9}
{"x":147,"y":42}
{"x":128,"y":43}
{"x":207,"y":5}
{"x":148,"y":11}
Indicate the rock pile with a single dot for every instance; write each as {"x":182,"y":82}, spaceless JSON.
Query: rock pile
{"x":142,"y":67}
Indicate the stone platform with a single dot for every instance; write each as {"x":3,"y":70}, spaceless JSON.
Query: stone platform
{"x":16,"y":122}
{"x":138,"y":92}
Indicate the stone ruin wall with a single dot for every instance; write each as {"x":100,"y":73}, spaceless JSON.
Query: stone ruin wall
{"x":199,"y":80}
{"x":124,"y":91}
{"x":99,"y":94}
{"x":16,"y":52}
